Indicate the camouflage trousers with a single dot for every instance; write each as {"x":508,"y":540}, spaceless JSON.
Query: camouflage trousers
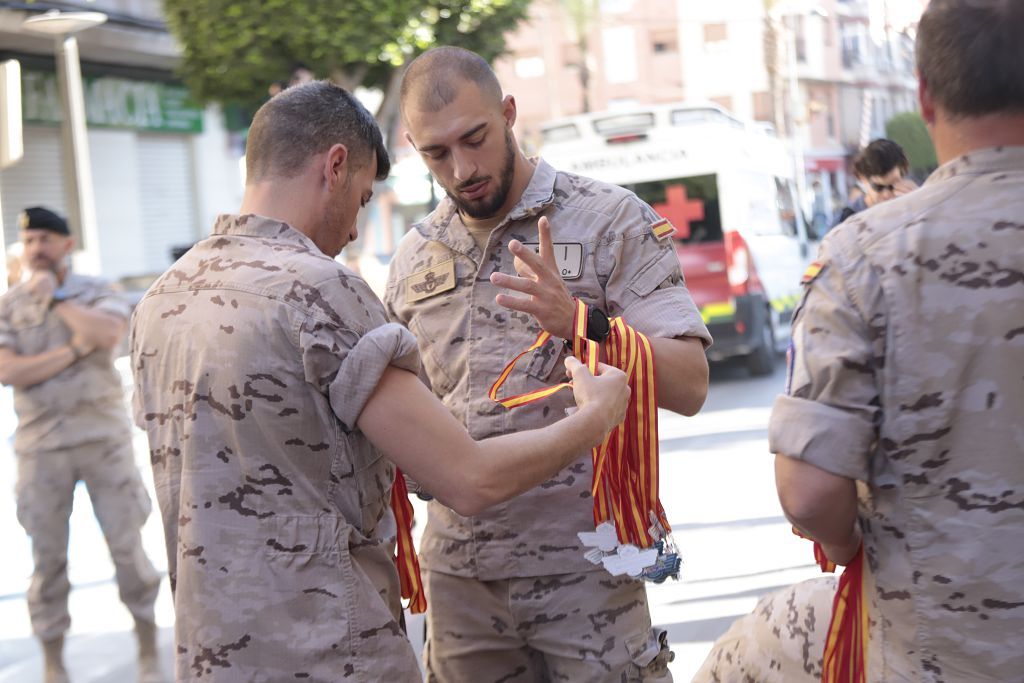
{"x":781,"y":641}
{"x":589,"y":627}
{"x":45,"y":492}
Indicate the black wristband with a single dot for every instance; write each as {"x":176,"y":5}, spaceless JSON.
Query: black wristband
{"x":598,"y":327}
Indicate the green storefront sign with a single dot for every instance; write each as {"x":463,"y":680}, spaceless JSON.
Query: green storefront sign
{"x":114,"y":103}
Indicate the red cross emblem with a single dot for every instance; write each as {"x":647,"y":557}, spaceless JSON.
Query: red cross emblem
{"x":679,"y":210}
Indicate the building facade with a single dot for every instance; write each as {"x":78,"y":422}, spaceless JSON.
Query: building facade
{"x":162,"y":166}
{"x":827,"y":73}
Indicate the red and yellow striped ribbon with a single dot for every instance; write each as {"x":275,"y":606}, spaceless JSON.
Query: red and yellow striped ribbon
{"x":626,"y":476}
{"x":405,"y":560}
{"x":845,"y":657}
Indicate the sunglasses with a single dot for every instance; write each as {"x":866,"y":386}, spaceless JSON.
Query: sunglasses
{"x":882,"y":188}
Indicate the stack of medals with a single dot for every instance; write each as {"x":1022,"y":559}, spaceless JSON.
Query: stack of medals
{"x":657,"y":563}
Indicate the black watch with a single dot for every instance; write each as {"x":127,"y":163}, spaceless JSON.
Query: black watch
{"x":598,"y":327}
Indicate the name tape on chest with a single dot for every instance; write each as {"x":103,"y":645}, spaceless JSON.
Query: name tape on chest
{"x":425,"y":283}
{"x":568,"y":256}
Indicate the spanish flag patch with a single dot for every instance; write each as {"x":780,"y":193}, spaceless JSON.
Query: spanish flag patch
{"x":812,"y":272}
{"x":663,"y":229}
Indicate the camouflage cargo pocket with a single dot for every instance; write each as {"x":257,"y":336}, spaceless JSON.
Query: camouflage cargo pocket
{"x":650,"y":655}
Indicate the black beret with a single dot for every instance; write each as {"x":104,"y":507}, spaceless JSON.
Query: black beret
{"x":38,"y":218}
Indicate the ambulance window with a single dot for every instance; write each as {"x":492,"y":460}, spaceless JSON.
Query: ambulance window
{"x":691,"y":204}
{"x":562,"y":133}
{"x":624,"y":123}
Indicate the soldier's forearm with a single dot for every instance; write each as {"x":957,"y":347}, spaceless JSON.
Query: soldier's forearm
{"x":821,"y":504}
{"x":414,"y":430}
{"x":103,"y":329}
{"x":22,"y":372}
{"x":681,"y":372}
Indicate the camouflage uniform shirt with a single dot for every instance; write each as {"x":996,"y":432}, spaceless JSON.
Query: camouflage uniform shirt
{"x":906,"y":375}
{"x":254,"y":356}
{"x":85,"y":402}
{"x":439,"y":287}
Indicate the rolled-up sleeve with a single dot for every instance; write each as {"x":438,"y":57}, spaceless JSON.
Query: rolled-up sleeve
{"x":830,"y":414}
{"x":645,"y":284}
{"x":348,"y":366}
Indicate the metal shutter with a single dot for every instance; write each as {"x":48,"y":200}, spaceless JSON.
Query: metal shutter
{"x":36,"y":180}
{"x":167,"y":197}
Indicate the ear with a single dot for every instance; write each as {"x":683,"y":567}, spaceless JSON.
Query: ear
{"x":924,"y":98}
{"x":508,"y":110}
{"x":69,"y":246}
{"x":336,"y":165}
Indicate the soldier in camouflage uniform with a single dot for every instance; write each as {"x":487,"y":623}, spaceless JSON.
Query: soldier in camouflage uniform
{"x":511,"y":596}
{"x":781,"y":641}
{"x":57,"y":333}
{"x":906,"y":375}
{"x":265,"y":373}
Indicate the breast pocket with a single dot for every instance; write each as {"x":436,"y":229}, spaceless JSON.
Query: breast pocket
{"x":547,"y":363}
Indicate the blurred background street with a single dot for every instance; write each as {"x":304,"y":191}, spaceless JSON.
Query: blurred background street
{"x":717,"y":487}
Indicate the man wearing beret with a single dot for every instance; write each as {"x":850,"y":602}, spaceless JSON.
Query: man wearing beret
{"x":58,"y":330}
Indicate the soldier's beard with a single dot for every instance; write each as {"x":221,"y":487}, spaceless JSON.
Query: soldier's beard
{"x":488,"y":206}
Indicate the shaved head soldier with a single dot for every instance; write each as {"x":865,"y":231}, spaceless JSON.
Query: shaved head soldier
{"x":513,"y":597}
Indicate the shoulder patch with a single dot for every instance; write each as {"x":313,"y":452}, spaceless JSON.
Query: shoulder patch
{"x":662,"y":229}
{"x":812,"y":272}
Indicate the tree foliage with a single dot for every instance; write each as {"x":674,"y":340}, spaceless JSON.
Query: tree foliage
{"x":908,"y":130}
{"x":232,"y":50}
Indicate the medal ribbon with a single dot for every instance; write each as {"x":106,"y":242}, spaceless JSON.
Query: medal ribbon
{"x":625,"y":486}
{"x":405,"y":560}
{"x":845,"y":658}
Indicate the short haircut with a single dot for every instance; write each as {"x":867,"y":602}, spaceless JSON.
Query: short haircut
{"x":879,"y":158}
{"x":433,"y":77}
{"x":306,"y":120}
{"x":971,"y":55}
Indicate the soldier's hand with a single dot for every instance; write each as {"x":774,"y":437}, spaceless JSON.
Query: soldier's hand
{"x":42,"y":284}
{"x":904,"y":186}
{"x":548,"y":299}
{"x":82,"y":343}
{"x":607,"y":393}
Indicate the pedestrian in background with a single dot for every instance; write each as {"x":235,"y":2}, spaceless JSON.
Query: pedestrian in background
{"x":905,"y":380}
{"x":881,"y":170}
{"x":58,"y":330}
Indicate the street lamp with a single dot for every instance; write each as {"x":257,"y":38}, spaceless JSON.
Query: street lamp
{"x":78,"y":173}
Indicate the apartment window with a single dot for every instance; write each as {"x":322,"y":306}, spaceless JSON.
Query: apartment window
{"x":764,"y":107}
{"x":620,"y":65}
{"x":715,"y":33}
{"x":529,"y":67}
{"x":851,"y":50}
{"x":663,"y":43}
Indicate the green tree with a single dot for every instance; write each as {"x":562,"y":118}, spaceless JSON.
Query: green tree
{"x":232,"y":50}
{"x":908,"y":130}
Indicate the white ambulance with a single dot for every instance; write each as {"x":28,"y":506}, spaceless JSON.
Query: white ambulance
{"x":727,"y":187}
